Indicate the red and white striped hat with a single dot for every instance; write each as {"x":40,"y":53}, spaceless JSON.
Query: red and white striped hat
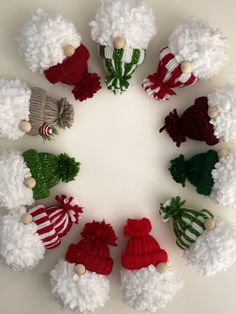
{"x":54,"y":222}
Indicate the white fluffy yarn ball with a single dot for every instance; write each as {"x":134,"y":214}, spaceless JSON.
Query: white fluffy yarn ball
{"x":78,"y":293}
{"x":20,"y":245}
{"x":132,"y":20}
{"x":206,"y":48}
{"x":13,"y":192}
{"x":14,"y":107}
{"x":224,"y":124}
{"x":43,"y":38}
{"x":148,"y":290}
{"x":214,"y":250}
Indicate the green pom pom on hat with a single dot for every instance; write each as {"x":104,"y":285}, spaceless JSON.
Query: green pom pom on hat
{"x":197,"y":170}
{"x":188,"y":224}
{"x":48,"y":169}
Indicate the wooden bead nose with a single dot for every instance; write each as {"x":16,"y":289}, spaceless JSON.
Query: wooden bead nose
{"x":209,"y":224}
{"x":80,"y":269}
{"x":69,"y":50}
{"x":26,"y":218}
{"x":224,"y":152}
{"x":162,"y":268}
{"x":30,"y":182}
{"x":186,"y":67}
{"x":213,"y":112}
{"x":119,"y":42}
{"x":25,"y":126}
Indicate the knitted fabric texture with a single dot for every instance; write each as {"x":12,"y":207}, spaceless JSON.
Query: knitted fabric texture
{"x":48,"y":169}
{"x":93,"y":250}
{"x":194,"y":124}
{"x":198,"y":170}
{"x":142,"y":249}
{"x":188,"y":224}
{"x":193,"y":41}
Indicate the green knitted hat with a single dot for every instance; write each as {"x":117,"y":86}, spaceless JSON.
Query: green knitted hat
{"x":48,"y":169}
{"x":197,"y":170}
{"x":188,"y":224}
{"x":120,"y":65}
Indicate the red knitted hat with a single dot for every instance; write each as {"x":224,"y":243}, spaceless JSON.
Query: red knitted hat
{"x":93,"y":250}
{"x":142,"y":249}
{"x":194,"y":124}
{"x":54,"y":222}
{"x":74,"y":71}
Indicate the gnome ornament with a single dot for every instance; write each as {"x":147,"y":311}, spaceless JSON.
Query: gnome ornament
{"x":148,"y":282}
{"x":29,"y":176}
{"x":210,"y":119}
{"x":25,"y":110}
{"x":123,"y":30}
{"x":26,"y":234}
{"x":208,"y":242}
{"x":51,"y":45}
{"x":194,"y":52}
{"x":80,"y":283}
{"x":212,"y":173}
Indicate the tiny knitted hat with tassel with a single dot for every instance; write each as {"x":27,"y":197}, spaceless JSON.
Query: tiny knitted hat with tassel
{"x":147,"y":281}
{"x":25,"y":110}
{"x":30,"y":175}
{"x":209,"y":242}
{"x":194,"y":52}
{"x":36,"y":230}
{"x":210,"y":119}
{"x":212,"y":173}
{"x":51,"y":45}
{"x":123,"y":30}
{"x":80,"y":283}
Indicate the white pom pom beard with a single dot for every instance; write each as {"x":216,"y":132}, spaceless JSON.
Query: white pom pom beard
{"x":215,"y":250}
{"x":14,"y":107}
{"x":224,"y":176}
{"x":13,"y":192}
{"x":20,"y":246}
{"x":148,"y":290}
{"x":78,"y":293}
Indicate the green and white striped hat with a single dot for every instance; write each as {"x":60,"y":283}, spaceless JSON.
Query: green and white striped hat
{"x":188,"y":224}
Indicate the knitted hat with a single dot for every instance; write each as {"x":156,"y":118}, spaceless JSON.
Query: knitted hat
{"x":210,"y":119}
{"x":208,"y":242}
{"x":35,"y":230}
{"x":123,"y":30}
{"x":25,"y":110}
{"x":51,"y":44}
{"x":148,"y":283}
{"x":30,"y":175}
{"x":194,"y":52}
{"x":80,"y":283}
{"x":212,"y":173}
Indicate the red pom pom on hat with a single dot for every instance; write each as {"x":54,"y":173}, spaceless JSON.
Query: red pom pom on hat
{"x":93,"y":250}
{"x":142,"y":249}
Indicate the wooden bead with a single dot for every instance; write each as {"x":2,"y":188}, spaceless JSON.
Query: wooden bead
{"x":26,"y":218}
{"x":119,"y":42}
{"x":209,"y":224}
{"x":30,"y":182}
{"x":69,"y":50}
{"x":25,"y":126}
{"x":213,"y":112}
{"x":186,"y":67}
{"x":80,"y":269}
{"x":224,"y":152}
{"x":162,"y":268}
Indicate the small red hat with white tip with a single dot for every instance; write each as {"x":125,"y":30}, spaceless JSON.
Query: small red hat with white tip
{"x":80,"y":282}
{"x":147,"y":281}
{"x":194,"y":52}
{"x":35,"y":230}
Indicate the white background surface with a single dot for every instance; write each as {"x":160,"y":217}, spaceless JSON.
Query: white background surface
{"x":124,"y":158}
